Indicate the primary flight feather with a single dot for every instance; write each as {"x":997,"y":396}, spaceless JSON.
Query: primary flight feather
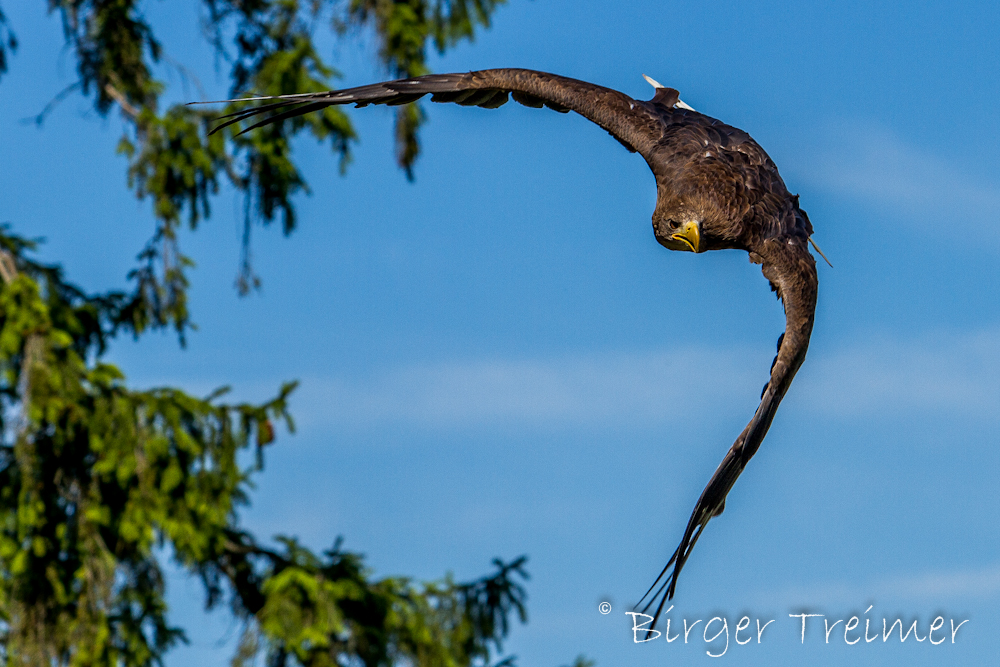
{"x":716,"y":189}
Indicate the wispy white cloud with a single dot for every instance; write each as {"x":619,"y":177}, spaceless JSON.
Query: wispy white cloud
{"x":978,"y":583}
{"x":646,"y":388}
{"x":876,"y":165}
{"x":946,"y":372}
{"x":929,"y":587}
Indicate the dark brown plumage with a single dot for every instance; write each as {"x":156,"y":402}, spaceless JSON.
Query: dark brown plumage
{"x":716,"y":188}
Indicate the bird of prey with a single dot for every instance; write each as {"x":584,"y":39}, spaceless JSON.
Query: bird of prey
{"x":716,"y":189}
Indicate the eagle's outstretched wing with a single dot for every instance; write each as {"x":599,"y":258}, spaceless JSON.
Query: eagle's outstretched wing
{"x":792,"y":272}
{"x":634,"y":123}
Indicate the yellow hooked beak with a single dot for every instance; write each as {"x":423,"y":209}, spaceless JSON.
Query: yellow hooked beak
{"x":689,"y":236}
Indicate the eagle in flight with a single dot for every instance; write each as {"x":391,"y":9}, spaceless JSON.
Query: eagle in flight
{"x":715,"y":189}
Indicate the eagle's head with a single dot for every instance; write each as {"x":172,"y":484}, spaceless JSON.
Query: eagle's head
{"x":682,"y":234}
{"x":693,"y":218}
{"x":678,"y":223}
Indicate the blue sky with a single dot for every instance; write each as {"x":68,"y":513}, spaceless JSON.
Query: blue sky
{"x":499,"y":359}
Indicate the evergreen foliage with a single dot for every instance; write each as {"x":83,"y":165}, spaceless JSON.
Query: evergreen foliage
{"x":269,"y":48}
{"x":100,"y":481}
{"x":96,"y":478}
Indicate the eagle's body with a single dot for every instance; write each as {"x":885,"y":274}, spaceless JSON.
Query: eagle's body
{"x":716,"y":189}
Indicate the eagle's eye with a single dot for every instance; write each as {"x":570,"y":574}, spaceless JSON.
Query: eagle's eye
{"x":673,"y":224}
